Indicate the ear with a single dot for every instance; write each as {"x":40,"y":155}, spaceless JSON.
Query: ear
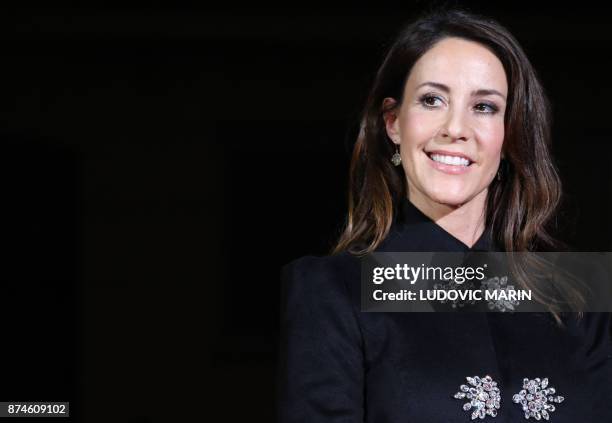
{"x":391,"y":120}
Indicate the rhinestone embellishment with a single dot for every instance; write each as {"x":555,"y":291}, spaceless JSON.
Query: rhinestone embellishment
{"x":501,"y":284}
{"x":482,"y":395}
{"x":396,"y":159}
{"x":536,"y":398}
{"x":451,"y":285}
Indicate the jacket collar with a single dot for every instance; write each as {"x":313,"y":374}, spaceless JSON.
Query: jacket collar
{"x":412,"y":230}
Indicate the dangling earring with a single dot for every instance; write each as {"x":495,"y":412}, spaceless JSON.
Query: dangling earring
{"x":396,"y":159}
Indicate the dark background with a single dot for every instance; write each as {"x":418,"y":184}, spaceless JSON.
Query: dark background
{"x":160,"y":163}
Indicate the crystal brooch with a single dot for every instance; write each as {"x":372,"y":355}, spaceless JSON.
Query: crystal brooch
{"x":497,"y":285}
{"x":482,"y":395}
{"x":537,"y":398}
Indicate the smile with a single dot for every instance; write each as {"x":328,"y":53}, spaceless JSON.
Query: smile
{"x":452,"y":164}
{"x":450,"y":160}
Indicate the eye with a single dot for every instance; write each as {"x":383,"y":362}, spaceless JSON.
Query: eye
{"x":428,"y":100}
{"x":487,"y":108}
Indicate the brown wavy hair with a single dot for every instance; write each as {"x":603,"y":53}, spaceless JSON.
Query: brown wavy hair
{"x":520,"y":207}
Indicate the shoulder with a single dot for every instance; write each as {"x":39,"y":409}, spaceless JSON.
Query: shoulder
{"x":320,"y":267}
{"x":332,"y":278}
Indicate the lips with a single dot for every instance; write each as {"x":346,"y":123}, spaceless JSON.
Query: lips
{"x":450,"y":165}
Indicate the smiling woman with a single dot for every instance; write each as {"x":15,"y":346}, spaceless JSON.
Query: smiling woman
{"x":450,"y":132}
{"x":453,"y":156}
{"x":455,"y":85}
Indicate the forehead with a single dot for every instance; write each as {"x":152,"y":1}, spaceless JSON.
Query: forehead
{"x":460,"y":63}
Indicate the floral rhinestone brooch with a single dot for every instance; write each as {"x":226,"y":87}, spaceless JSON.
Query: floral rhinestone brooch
{"x":537,"y":398}
{"x":482,"y":395}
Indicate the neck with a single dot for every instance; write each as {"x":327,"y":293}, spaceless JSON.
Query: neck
{"x":465,"y":222}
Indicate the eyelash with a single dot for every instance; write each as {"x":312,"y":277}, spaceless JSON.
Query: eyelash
{"x":424,"y":97}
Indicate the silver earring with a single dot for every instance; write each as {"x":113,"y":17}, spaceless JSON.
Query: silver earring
{"x":482,"y":394}
{"x":536,"y":398}
{"x":396,"y":159}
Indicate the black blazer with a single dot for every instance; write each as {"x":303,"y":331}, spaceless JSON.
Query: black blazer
{"x":338,"y":364}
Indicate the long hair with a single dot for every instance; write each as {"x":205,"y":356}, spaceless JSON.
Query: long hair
{"x":521,"y":206}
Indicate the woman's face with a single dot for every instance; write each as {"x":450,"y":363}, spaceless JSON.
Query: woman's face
{"x":450,"y":125}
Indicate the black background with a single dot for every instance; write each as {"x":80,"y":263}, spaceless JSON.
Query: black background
{"x":161,"y":162}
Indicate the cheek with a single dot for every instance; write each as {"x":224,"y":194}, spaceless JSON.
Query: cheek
{"x":492,"y":140}
{"x":417,"y":128}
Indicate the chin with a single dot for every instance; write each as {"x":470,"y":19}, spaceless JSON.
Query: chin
{"x":453,"y":199}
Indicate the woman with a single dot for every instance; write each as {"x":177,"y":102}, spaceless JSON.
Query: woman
{"x":453,"y":156}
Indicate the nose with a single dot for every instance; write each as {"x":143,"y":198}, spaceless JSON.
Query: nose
{"x":456,"y":126}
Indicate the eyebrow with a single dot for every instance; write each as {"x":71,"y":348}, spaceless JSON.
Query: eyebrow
{"x":446,"y":89}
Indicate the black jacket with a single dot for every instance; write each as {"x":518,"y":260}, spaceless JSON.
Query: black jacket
{"x":338,"y":364}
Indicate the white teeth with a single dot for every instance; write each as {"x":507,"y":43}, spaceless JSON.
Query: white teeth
{"x":450,"y":160}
